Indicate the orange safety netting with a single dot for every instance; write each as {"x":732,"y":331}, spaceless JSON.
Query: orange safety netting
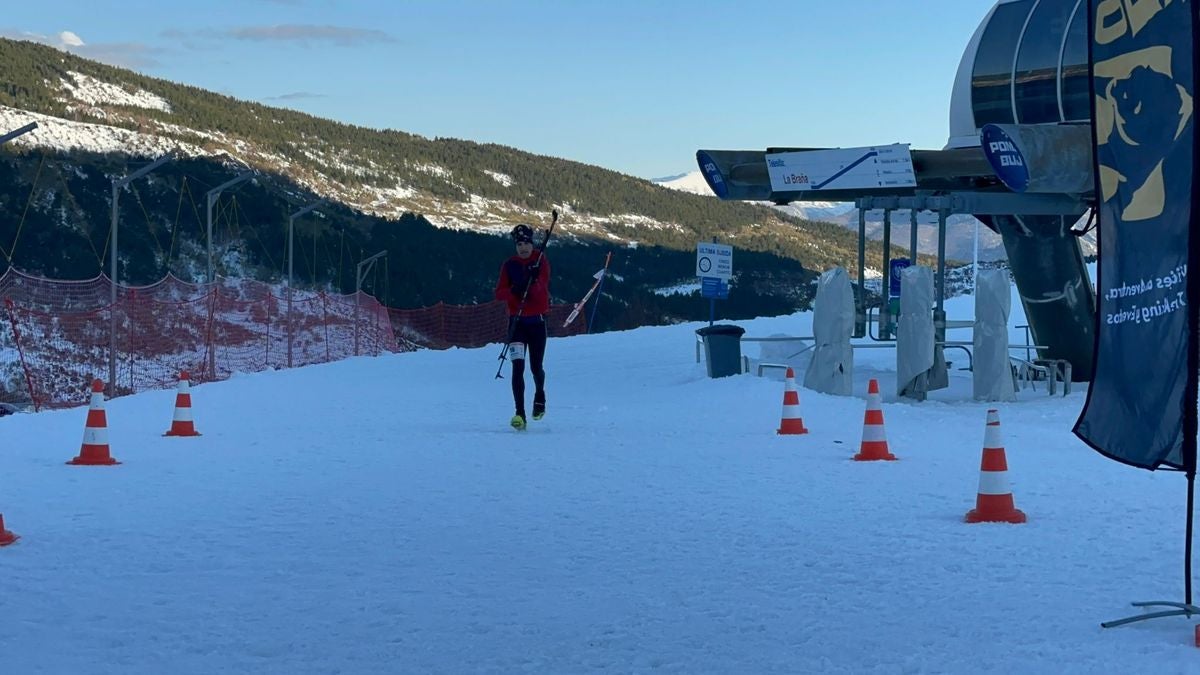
{"x":58,"y":335}
{"x":443,"y":326}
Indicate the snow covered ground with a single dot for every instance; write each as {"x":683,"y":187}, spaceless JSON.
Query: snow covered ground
{"x":378,"y":515}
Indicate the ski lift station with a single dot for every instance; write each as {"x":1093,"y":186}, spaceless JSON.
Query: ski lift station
{"x":1018,"y":158}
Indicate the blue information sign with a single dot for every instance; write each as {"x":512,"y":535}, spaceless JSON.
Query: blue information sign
{"x":896,"y":266}
{"x":712,"y":287}
{"x":712,"y":174}
{"x":1004,"y":154}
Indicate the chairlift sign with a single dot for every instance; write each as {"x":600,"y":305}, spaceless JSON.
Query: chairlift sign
{"x":879,"y":166}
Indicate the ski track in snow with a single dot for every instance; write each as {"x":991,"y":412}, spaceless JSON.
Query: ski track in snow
{"x":378,"y":515}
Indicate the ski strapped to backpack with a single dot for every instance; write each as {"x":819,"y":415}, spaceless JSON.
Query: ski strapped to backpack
{"x":512,"y":320}
{"x":599,"y":277}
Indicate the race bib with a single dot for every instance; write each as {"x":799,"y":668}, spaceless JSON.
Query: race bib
{"x":516,"y":351}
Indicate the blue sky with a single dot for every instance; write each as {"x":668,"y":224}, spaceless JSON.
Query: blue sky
{"x":635,"y":86}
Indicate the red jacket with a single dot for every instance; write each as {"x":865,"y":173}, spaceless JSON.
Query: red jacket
{"x":515,"y":269}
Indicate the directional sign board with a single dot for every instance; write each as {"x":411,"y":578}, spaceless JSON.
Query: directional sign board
{"x":712,"y":287}
{"x":880,"y":166}
{"x":714,"y":260}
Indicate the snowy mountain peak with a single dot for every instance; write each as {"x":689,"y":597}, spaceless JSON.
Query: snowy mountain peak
{"x":686,"y":182}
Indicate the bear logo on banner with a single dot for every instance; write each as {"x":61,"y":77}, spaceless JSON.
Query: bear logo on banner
{"x":1139,"y":135}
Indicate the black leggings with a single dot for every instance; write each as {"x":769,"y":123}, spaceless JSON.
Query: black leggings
{"x":532,"y":333}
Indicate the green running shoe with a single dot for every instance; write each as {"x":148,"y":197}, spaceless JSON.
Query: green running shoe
{"x":518,"y":422}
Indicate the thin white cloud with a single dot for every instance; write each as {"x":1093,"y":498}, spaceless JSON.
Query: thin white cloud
{"x":123,"y":54}
{"x":296,"y":96}
{"x":62,"y":40}
{"x":341,"y":36}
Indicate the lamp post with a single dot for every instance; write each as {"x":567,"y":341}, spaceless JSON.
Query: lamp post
{"x":291,"y":227}
{"x":18,"y":132}
{"x":117,"y":184}
{"x":13,"y":134}
{"x":211,"y":199}
{"x":359,"y":275}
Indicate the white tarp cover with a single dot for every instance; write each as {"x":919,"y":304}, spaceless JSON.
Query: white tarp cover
{"x":993,"y":302}
{"x":914,"y":332}
{"x":831,"y":370}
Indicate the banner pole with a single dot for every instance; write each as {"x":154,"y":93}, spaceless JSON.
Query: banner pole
{"x":1191,"y":389}
{"x":1187,"y":555}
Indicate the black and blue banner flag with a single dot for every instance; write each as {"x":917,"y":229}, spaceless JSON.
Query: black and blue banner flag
{"x":1144,"y":387}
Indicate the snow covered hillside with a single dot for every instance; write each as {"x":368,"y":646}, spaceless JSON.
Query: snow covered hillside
{"x":378,"y":515}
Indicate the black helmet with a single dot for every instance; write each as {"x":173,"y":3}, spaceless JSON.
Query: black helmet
{"x":522,"y":233}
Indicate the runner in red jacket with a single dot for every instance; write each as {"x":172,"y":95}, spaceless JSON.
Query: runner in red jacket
{"x":526,"y":275}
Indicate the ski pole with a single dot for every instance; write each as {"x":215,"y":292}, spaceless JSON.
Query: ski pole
{"x":512,"y":321}
{"x":599,"y":276}
{"x":599,"y":291}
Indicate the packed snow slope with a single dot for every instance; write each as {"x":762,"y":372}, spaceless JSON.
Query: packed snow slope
{"x":378,"y":515}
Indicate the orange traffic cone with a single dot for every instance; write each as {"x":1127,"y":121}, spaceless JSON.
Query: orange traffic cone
{"x":95,"y":433}
{"x":874,"y":441}
{"x":995,"y":501}
{"x":182,"y":424}
{"x":6,"y":537}
{"x":791,"y":423}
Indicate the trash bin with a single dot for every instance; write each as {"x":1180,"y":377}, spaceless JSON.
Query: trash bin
{"x":722,"y":349}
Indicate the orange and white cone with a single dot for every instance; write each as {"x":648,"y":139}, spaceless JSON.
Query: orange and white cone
{"x":791,"y":422}
{"x":6,"y":537}
{"x":95,"y":432}
{"x":995,"y":501}
{"x":874,"y":444}
{"x":182,"y":424}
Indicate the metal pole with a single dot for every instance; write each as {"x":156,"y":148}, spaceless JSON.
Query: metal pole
{"x":359,"y":275}
{"x":112,"y":308}
{"x":887,"y":238}
{"x":211,"y":198}
{"x":975,"y":262}
{"x":912,"y":235}
{"x":212,"y":348}
{"x":939,"y":316}
{"x":941,"y":269}
{"x":1191,"y":505}
{"x":357,"y":303}
{"x":885,"y":311}
{"x":291,"y":227}
{"x":13,"y":134}
{"x":117,"y":184}
{"x":860,"y":298}
{"x":291,"y":222}
{"x":712,"y":303}
{"x":18,"y":132}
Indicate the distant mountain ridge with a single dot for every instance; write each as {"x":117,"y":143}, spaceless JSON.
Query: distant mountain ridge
{"x":436,"y":205}
{"x":456,"y":184}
